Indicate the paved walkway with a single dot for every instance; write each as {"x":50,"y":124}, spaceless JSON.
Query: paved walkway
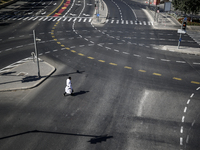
{"x":165,"y":22}
{"x":100,"y":15}
{"x":24,"y":75}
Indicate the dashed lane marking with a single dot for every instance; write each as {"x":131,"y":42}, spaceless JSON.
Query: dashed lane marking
{"x":157,"y":74}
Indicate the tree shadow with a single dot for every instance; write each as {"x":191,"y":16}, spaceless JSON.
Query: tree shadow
{"x":95,"y":138}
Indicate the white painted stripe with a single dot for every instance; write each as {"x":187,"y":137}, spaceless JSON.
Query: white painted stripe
{"x":181,"y":130}
{"x":185,"y":109}
{"x":116,"y":50}
{"x":125,"y":53}
{"x":136,"y":55}
{"x":181,"y":62}
{"x":188,"y":101}
{"x":80,"y":20}
{"x":165,"y":60}
{"x":195,"y":63}
{"x":181,"y":141}
{"x":192,"y":95}
{"x":150,"y":58}
{"x":69,"y":19}
{"x":35,"y":18}
{"x":183,"y":119}
{"x":41,"y":18}
{"x":50,"y":19}
{"x":65,"y":19}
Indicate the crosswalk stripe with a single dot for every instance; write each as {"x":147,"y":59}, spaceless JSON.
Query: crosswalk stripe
{"x":64,"y":19}
{"x":41,"y":18}
{"x":45,"y":19}
{"x":69,"y":19}
{"x":35,"y":18}
{"x":78,"y":19}
{"x":26,"y":18}
{"x":50,"y":19}
{"x":59,"y":19}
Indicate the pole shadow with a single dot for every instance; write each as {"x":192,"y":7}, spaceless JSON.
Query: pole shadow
{"x":95,"y":138}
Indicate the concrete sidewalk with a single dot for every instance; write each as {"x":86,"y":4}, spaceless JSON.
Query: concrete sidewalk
{"x":24,"y":75}
{"x":100,"y":14}
{"x":167,"y":22}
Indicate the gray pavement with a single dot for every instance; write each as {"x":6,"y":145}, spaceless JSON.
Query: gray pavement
{"x":24,"y":75}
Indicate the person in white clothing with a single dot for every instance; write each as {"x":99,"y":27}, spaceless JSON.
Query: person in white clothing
{"x":68,"y":88}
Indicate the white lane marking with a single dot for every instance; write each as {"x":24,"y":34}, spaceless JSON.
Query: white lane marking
{"x":181,"y":130}
{"x":198,"y":88}
{"x":116,"y":50}
{"x":181,"y":141}
{"x":183,"y":119}
{"x":165,"y":60}
{"x":195,"y":63}
{"x":19,"y":46}
{"x":150,"y":58}
{"x":181,"y":62}
{"x":136,"y":55}
{"x":8,"y":49}
{"x":185,"y":109}
{"x":192,"y":95}
{"x":188,"y":101}
{"x":126,"y":53}
{"x":47,"y":52}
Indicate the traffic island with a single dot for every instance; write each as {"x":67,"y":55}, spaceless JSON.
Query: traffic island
{"x":24,"y":75}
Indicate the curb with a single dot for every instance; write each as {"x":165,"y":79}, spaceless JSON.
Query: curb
{"x":36,"y":84}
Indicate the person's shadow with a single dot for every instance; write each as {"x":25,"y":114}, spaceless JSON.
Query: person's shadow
{"x":79,"y":93}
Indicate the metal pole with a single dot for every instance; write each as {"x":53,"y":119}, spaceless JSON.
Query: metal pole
{"x":179,"y":41}
{"x":36,"y":52}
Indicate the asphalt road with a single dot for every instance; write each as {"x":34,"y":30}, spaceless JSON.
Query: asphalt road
{"x":129,"y":94}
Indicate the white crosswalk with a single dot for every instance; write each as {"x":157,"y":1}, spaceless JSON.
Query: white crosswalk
{"x":80,"y":19}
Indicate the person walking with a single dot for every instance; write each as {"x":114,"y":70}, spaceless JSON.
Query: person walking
{"x":68,"y":88}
